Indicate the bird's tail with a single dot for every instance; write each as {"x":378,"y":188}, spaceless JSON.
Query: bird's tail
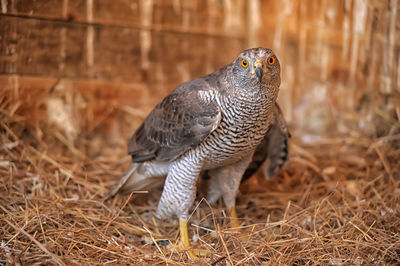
{"x":137,"y":177}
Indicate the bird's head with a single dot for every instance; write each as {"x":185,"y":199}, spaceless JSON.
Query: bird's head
{"x":257,"y":67}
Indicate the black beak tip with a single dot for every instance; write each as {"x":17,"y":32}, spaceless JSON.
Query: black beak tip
{"x":259,"y":73}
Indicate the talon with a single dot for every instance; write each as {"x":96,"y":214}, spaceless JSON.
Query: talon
{"x":235,"y":224}
{"x":184,"y":243}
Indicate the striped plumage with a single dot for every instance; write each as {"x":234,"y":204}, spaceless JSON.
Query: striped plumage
{"x":273,"y":151}
{"x":212,"y":123}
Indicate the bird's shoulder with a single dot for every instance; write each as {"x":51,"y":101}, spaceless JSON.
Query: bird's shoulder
{"x":180,"y":121}
{"x":214,"y":82}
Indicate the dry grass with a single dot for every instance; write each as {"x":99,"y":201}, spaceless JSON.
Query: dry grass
{"x":336,"y":203}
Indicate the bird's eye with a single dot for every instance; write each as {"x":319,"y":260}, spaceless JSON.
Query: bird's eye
{"x":245,"y":63}
{"x":271,"y":60}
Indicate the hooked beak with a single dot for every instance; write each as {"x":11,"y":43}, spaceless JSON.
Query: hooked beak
{"x":259,"y":70}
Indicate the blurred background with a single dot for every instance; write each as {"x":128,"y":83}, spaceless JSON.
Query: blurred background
{"x":77,"y":77}
{"x":87,"y":65}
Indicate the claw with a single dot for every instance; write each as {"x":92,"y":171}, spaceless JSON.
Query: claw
{"x":184,"y":243}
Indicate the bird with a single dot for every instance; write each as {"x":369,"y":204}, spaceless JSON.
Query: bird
{"x":273,"y":151}
{"x":220,"y":123}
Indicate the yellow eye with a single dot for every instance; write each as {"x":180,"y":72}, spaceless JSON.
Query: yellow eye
{"x":271,"y":60}
{"x":245,"y":63}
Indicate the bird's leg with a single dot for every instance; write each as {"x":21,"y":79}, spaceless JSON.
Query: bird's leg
{"x":225,"y":181}
{"x":183,"y":229}
{"x":234,"y":217}
{"x":178,"y":196}
{"x":184,"y":243}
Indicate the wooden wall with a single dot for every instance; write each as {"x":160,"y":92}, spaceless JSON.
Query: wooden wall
{"x":98,"y":58}
{"x":122,"y":41}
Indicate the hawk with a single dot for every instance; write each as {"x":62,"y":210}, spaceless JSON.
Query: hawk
{"x":225,"y":124}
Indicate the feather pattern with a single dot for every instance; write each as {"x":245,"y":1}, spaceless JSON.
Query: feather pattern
{"x":180,"y":122}
{"x":273,"y":150}
{"x":211,"y":123}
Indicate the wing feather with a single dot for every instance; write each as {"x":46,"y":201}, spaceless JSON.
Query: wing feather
{"x":182,"y":120}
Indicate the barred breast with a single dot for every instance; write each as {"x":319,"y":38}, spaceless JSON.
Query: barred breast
{"x":244,"y":123}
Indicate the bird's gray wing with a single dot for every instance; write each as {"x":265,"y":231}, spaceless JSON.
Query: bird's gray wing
{"x":273,"y":150}
{"x":179,"y":122}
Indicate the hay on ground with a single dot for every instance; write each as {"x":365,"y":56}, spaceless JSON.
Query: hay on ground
{"x":336,"y":203}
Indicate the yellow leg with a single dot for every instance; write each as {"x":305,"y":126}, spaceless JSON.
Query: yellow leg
{"x":235,"y":224}
{"x":234,"y":217}
{"x":184,"y":244}
{"x":183,"y":228}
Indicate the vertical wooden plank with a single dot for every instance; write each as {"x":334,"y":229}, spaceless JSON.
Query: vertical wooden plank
{"x":120,"y":12}
{"x":58,"y":49}
{"x":117,"y":54}
{"x":182,"y":16}
{"x":33,"y":47}
{"x":51,"y":9}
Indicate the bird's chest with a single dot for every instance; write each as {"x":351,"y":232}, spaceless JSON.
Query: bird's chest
{"x":246,"y":120}
{"x":243,"y":126}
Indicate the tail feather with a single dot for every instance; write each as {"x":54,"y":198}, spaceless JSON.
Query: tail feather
{"x":122,"y":181}
{"x":140,"y":176}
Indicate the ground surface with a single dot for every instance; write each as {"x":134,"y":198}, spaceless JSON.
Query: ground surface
{"x":336,"y":203}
